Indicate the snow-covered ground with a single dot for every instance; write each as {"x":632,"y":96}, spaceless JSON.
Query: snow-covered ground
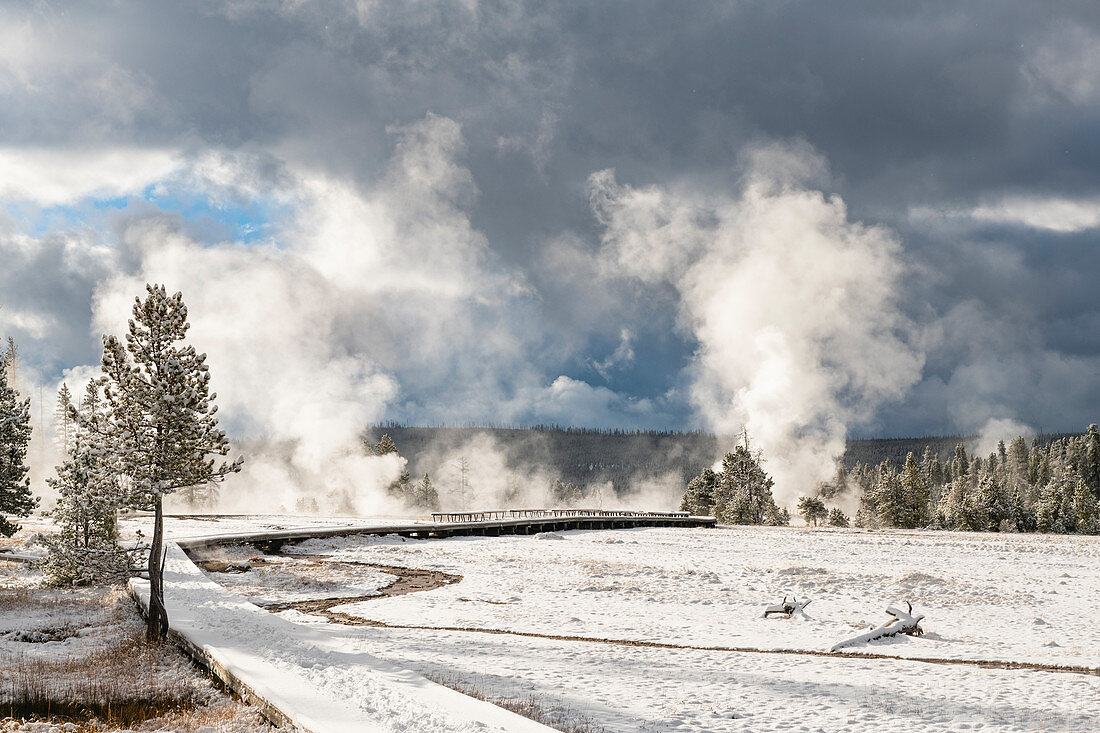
{"x":1015,"y":598}
{"x":992,"y":597}
{"x":282,"y":580}
{"x":1011,"y":598}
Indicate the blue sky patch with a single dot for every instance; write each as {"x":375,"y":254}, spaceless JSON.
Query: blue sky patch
{"x":208,"y":220}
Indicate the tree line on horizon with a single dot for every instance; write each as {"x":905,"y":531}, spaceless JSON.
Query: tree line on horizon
{"x":586,"y":457}
{"x":1053,"y":488}
{"x":1017,"y":488}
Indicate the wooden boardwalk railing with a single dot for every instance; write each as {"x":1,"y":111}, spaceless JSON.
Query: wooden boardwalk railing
{"x":542,"y":513}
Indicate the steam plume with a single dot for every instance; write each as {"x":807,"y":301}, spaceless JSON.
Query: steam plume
{"x":792,"y":304}
{"x":300,"y":332}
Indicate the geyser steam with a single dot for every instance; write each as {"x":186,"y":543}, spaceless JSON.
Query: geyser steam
{"x":793,"y":305}
{"x":303,"y":333}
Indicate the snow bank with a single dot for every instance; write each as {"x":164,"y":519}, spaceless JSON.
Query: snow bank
{"x":307,"y":671}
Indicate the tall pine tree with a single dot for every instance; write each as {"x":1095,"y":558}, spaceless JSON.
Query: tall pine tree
{"x":161,"y":420}
{"x":15,"y":435}
{"x":425,"y":495}
{"x":916,"y":494}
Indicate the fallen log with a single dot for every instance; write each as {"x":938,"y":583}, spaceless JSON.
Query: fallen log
{"x":904,"y":622}
{"x":787,"y":608}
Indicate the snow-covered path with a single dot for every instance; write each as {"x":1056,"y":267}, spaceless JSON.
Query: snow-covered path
{"x":309,"y":672}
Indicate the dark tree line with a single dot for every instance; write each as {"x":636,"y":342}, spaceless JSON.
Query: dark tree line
{"x":579,"y":456}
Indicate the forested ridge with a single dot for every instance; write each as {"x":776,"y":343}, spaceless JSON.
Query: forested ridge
{"x":585,"y":456}
{"x":577,"y":455}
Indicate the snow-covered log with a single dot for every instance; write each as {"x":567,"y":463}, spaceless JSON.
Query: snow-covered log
{"x":904,"y":622}
{"x":787,"y":608}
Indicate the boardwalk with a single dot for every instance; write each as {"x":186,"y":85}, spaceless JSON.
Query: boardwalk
{"x":486,"y":523}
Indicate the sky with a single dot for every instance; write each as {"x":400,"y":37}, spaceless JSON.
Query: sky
{"x":812,"y":219}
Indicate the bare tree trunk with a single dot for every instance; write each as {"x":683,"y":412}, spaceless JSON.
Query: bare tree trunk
{"x":157,"y":627}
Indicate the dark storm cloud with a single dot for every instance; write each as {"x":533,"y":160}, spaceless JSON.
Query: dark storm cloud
{"x":924,"y":112}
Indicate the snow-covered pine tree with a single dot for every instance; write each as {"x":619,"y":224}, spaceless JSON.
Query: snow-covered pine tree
{"x":991,"y":504}
{"x":699,"y":497}
{"x":743,"y":494}
{"x":64,"y":425}
{"x":931,"y":468}
{"x":1084,"y":506}
{"x":1092,"y":460}
{"x":425,"y":495}
{"x":1017,"y":479}
{"x":385,"y":446}
{"x":565,"y":493}
{"x":837,"y":518}
{"x":161,"y":420}
{"x":865,"y":518}
{"x":960,"y":464}
{"x":15,"y":435}
{"x":812,"y":509}
{"x":891,"y":503}
{"x":777,"y":516}
{"x":916,"y":494}
{"x":862,"y":478}
{"x":953,"y":512}
{"x":1051,"y":510}
{"x":86,"y":550}
{"x":402,"y":487}
{"x":10,"y":360}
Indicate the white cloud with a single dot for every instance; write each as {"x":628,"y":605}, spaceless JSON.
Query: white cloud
{"x":53,"y":176}
{"x":1053,"y":214}
{"x":1063,"y":215}
{"x":34,"y":325}
{"x":569,"y":401}
{"x":622,"y":356}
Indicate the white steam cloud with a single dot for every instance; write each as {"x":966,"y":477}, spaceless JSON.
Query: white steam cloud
{"x":793,"y":305}
{"x":311,"y":335}
{"x":997,"y":430}
{"x":497,"y":477}
{"x":300,"y":333}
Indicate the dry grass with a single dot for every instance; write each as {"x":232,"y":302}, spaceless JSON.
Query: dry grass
{"x":123,"y":683}
{"x":78,"y":660}
{"x":559,"y":716}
